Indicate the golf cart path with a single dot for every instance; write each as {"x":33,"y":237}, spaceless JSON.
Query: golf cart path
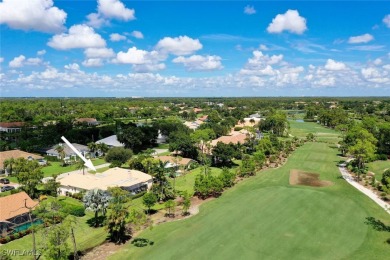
{"x":349,"y":178}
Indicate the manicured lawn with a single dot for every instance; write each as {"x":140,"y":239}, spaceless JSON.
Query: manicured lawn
{"x":300,"y":130}
{"x":186,"y":182}
{"x":378,"y":167}
{"x":264,"y":217}
{"x":56,"y":168}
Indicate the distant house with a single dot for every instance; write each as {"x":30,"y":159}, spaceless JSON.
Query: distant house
{"x":203,"y":118}
{"x":69,"y":153}
{"x":173,"y":161}
{"x":235,"y":138}
{"x":194,"y":124}
{"x":197,"y":110}
{"x":13,"y":212}
{"x":130,"y":180}
{"x":18,"y":154}
{"x":11,"y":127}
{"x":87,"y":120}
{"x":111,"y":141}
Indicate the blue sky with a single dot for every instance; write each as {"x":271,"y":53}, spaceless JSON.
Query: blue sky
{"x":194,"y":48}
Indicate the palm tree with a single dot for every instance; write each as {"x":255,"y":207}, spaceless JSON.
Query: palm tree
{"x":92,"y":148}
{"x":103,"y":148}
{"x":97,"y":201}
{"x":80,"y":165}
{"x":61,"y":151}
{"x":8,"y":165}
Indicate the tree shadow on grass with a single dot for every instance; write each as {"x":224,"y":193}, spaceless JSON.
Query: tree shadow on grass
{"x":100,"y":220}
{"x":377,"y":224}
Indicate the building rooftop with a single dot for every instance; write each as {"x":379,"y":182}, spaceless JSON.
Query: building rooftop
{"x":111,"y":141}
{"x":114,"y":177}
{"x":17,"y":154}
{"x":13,"y":205}
{"x":11,"y":124}
{"x":174,"y":160}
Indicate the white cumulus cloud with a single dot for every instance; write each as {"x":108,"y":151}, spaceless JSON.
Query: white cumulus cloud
{"x":94,"y":62}
{"x":99,"y":53}
{"x":290,"y":21}
{"x":110,"y":9}
{"x":142,"y":61}
{"x":37,"y":15}
{"x":361,"y":38}
{"x":41,"y":52}
{"x":115,"y":9}
{"x":200,"y":63}
{"x":116,"y":37}
{"x":21,"y":61}
{"x":249,"y":10}
{"x":386,"y":20}
{"x":182,"y":45}
{"x":137,"y":34}
{"x":79,"y":36}
{"x":334,"y":65}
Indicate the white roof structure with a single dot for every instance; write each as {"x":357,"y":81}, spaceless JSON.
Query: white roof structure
{"x":111,"y":141}
{"x":114,"y":177}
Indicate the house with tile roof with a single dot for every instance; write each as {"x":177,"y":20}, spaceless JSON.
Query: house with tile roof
{"x":14,"y":210}
{"x":17,"y":154}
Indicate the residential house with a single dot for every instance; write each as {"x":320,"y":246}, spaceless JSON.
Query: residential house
{"x":173,"y":161}
{"x":87,"y":120}
{"x":14,"y":210}
{"x":130,"y":180}
{"x":69,"y":153}
{"x":194,"y":124}
{"x":11,"y":127}
{"x":234,"y":138}
{"x":18,"y":154}
{"x":111,"y":141}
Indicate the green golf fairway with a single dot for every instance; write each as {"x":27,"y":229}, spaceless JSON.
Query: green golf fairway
{"x":266,"y":218}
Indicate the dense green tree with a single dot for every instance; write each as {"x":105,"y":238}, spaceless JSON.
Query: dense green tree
{"x":363,"y":151}
{"x":276,"y":123}
{"x":29,"y":175}
{"x":227,"y":177}
{"x":118,"y":154}
{"x":149,"y":200}
{"x":247,"y":167}
{"x":161,"y":186}
{"x":223,"y":153}
{"x":186,"y":202}
{"x":182,"y":142}
{"x":117,"y":216}
{"x":207,"y":185}
{"x":52,"y":185}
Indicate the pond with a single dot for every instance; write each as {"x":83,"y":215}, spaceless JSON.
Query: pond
{"x":300,"y":121}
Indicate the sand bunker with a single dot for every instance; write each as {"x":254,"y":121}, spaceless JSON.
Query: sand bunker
{"x":298,"y":177}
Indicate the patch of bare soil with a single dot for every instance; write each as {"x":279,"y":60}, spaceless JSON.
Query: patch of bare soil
{"x":298,"y":177}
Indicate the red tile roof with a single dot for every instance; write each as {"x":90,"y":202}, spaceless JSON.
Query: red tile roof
{"x":13,"y":205}
{"x":11,"y":124}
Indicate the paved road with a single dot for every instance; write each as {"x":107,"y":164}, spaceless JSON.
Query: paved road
{"x":349,"y":178}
